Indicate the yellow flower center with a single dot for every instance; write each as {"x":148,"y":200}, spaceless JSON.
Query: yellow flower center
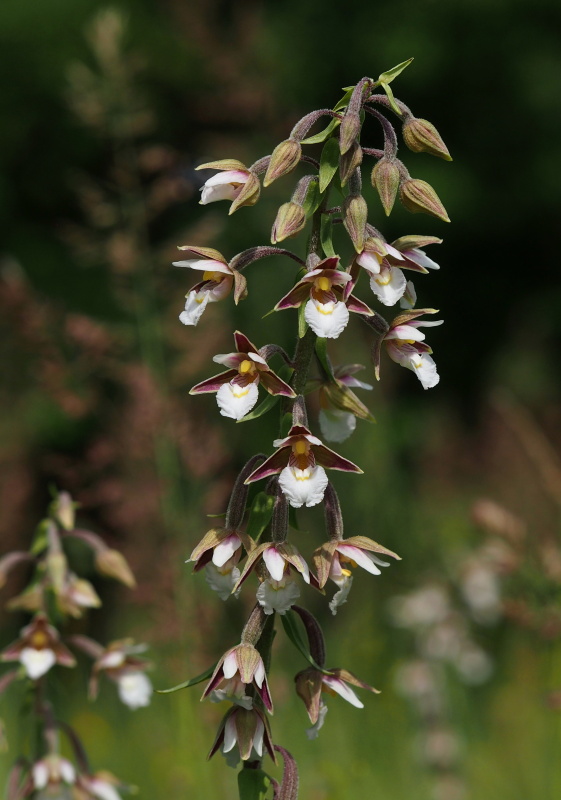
{"x":384,"y":279}
{"x":209,"y":275}
{"x":324,"y":284}
{"x":300,"y":448}
{"x":39,"y":639}
{"x":245,"y":366}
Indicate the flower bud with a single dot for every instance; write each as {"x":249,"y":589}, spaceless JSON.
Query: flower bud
{"x":285,"y":157}
{"x":355,"y":215}
{"x":349,"y":162}
{"x":249,"y":194}
{"x":348,"y":132}
{"x":385,"y":179}
{"x":421,"y":136}
{"x":291,"y":219}
{"x":63,"y":509}
{"x":113,"y":564}
{"x":419,"y":197}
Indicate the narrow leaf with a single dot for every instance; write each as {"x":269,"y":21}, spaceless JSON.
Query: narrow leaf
{"x":193,"y":682}
{"x":321,"y":352}
{"x":329,"y":163}
{"x":260,"y":515}
{"x":386,"y":87}
{"x":326,"y":233}
{"x":312,"y":199}
{"x":289,"y":624}
{"x":390,"y":74}
{"x":268,"y":403}
{"x":320,"y":137}
{"x":302,"y":324}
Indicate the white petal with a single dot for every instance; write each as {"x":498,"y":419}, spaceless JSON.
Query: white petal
{"x":225,"y":550}
{"x":336,"y":425}
{"x":327,"y":320}
{"x":340,"y":597}
{"x":259,"y":675}
{"x":337,"y":685}
{"x":256,"y":357}
{"x":360,"y":557}
{"x":389,"y":285}
{"x":421,"y":258}
{"x":369,"y":262}
{"x":303,"y":487}
{"x":204,"y":265}
{"x":104,"y":790}
{"x":277,"y":595}
{"x":258,"y":737}
{"x":236,"y":401}
{"x":223,"y":186}
{"x":410,"y":296}
{"x":222,"y":580}
{"x":37,"y":662}
{"x":393,"y":251}
{"x":67,"y":771}
{"x":274,"y":562}
{"x":230,"y":735}
{"x":312,"y":733}
{"x":425,"y":369}
{"x":230,"y":665}
{"x":195,"y":304}
{"x":135,"y":689}
{"x":406,"y":333}
{"x":41,"y":774}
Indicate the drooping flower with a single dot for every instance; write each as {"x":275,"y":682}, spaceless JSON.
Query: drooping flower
{"x":300,"y":460}
{"x":327,"y":307}
{"x":278,"y":596}
{"x":38,"y":649}
{"x":335,"y":560}
{"x":52,"y":771}
{"x":406,"y":346}
{"x":101,"y":785}
{"x":245,"y":663}
{"x":339,"y":405}
{"x":411,"y":253}
{"x":278,"y":558}
{"x":311,"y":682}
{"x":236,"y":389}
{"x":120,"y":662}
{"x":243,"y":733}
{"x":234,"y":181}
{"x":218,"y":280}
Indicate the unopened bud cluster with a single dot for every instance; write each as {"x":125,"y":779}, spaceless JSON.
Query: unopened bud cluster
{"x":54,"y":594}
{"x":254,"y":540}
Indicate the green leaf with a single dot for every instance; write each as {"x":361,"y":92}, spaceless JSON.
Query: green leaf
{"x":268,"y":403}
{"x":40,"y":540}
{"x":344,"y":101}
{"x":324,"y":134}
{"x":302,"y":324}
{"x":260,"y":515}
{"x":253,"y":784}
{"x":386,"y":87}
{"x":293,"y":520}
{"x":193,"y":682}
{"x":312,"y":199}
{"x":328,"y":163}
{"x":390,"y":74}
{"x":289,"y":624}
{"x":326,"y":232}
{"x":321,"y":352}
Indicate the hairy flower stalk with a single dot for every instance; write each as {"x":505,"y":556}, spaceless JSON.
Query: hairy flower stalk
{"x":259,"y":541}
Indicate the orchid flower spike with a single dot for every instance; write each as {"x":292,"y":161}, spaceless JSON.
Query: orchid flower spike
{"x":300,"y":460}
{"x":236,"y":389}
{"x":327,"y":308}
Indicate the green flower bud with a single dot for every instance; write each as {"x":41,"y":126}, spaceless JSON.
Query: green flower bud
{"x":290,"y":220}
{"x":349,"y":162}
{"x":385,"y":179}
{"x":348,"y":132}
{"x":285,"y":157}
{"x":421,"y":136}
{"x":355,"y":215}
{"x":419,"y":197}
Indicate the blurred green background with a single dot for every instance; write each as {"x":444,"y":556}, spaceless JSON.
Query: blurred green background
{"x":107,"y":110}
